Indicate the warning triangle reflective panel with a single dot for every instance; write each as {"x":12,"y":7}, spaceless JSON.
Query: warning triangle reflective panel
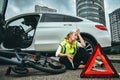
{"x":91,"y":71}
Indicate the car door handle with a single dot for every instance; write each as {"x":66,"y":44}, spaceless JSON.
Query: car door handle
{"x":67,"y":24}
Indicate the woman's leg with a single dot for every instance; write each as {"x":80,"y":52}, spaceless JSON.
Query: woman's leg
{"x":81,"y":55}
{"x":66,"y":62}
{"x":84,"y":55}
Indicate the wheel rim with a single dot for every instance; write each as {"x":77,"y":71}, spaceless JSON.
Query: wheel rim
{"x":50,"y":65}
{"x":88,"y":47}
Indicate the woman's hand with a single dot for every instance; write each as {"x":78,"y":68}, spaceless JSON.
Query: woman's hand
{"x":78,"y":31}
{"x":69,"y":57}
{"x":66,"y":55}
{"x":80,"y":37}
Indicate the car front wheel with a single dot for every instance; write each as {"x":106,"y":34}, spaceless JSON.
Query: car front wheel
{"x":89,"y":45}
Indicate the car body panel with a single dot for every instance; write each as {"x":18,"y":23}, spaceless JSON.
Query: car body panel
{"x":102,"y":37}
{"x":53,"y":35}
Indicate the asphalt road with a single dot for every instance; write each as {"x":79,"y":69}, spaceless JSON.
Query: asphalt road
{"x":38,"y":75}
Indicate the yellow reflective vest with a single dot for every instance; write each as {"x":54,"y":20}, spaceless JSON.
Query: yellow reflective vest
{"x":66,"y":49}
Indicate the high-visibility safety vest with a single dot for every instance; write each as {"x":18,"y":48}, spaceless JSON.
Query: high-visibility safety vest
{"x":66,"y":49}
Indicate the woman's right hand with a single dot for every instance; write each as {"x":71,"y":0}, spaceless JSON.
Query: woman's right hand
{"x":69,"y":57}
{"x":78,"y":31}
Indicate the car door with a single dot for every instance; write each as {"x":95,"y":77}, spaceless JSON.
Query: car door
{"x":3,"y":6}
{"x":20,"y":31}
{"x":51,"y":31}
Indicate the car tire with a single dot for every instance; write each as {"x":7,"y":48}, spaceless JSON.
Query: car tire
{"x":89,"y":45}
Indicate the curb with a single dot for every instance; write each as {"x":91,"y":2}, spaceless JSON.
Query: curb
{"x":114,"y":61}
{"x":114,"y":58}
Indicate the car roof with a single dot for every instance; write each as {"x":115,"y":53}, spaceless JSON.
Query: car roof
{"x":24,"y":14}
{"x":34,"y":13}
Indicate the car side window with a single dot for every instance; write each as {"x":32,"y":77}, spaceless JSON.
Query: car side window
{"x":59,"y":18}
{"x":72,"y":19}
{"x":52,"y":18}
{"x":28,"y":23}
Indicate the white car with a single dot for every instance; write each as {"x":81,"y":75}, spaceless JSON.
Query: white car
{"x":42,"y":32}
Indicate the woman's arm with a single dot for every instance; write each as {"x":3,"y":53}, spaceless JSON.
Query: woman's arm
{"x":59,"y":54}
{"x":80,"y":38}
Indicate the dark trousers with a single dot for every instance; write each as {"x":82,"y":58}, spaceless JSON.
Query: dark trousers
{"x":81,"y":55}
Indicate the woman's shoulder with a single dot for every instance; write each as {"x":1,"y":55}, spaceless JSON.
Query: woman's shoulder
{"x":64,"y":41}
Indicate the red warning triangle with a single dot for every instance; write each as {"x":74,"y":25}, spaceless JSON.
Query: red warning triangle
{"x":88,"y":70}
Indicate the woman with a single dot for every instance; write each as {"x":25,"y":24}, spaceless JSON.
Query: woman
{"x":72,"y":53}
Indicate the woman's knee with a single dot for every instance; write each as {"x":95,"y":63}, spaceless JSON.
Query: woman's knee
{"x":63,"y":59}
